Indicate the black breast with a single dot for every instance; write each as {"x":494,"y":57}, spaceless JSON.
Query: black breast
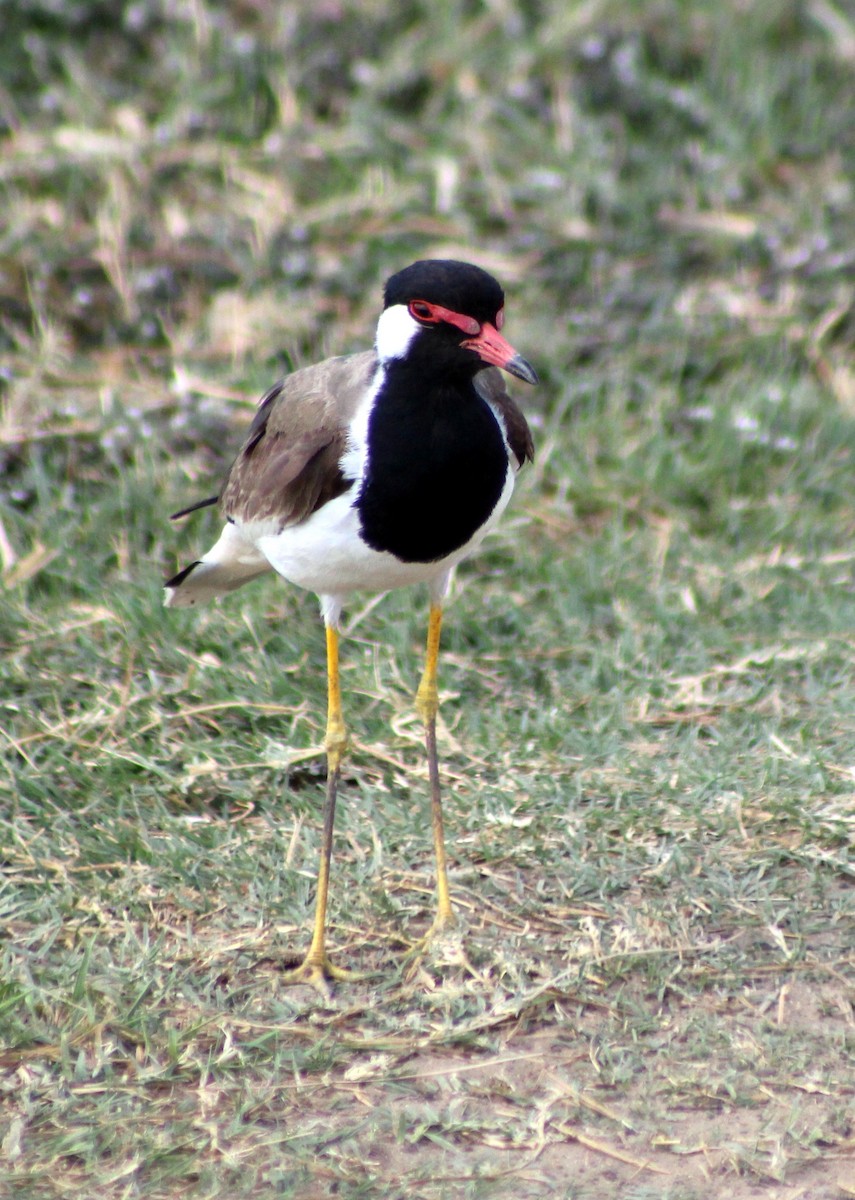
{"x":437,"y":465}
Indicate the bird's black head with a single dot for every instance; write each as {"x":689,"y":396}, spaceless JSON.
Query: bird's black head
{"x":460,"y":287}
{"x":447,"y":315}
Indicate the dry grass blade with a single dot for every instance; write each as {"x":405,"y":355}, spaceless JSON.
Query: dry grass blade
{"x":584,"y":1139}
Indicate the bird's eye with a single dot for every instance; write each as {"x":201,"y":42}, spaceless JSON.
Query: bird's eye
{"x":421,"y":310}
{"x":500,"y":318}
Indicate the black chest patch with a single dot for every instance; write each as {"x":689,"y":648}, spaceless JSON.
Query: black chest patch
{"x":437,"y":465}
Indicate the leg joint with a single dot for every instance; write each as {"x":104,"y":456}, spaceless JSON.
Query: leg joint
{"x":427,"y":700}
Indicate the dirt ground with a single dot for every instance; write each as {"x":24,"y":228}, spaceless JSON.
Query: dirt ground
{"x":543,"y":1117}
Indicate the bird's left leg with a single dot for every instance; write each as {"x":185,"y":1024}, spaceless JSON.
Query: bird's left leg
{"x":427,"y":706}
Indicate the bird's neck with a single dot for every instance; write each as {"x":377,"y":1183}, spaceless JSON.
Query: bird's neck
{"x":424,"y":380}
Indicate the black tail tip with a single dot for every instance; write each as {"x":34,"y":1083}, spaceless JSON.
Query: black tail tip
{"x":177,"y":580}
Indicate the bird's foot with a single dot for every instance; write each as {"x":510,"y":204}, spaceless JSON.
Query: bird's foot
{"x":320,"y":973}
{"x":444,"y":923}
{"x":443,"y":946}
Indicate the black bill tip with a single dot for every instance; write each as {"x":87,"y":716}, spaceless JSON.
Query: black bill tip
{"x":522,"y":369}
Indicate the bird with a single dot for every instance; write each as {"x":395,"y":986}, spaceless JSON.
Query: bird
{"x":369,"y":472}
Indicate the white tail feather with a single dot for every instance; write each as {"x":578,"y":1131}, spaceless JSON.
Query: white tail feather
{"x":228,"y":565}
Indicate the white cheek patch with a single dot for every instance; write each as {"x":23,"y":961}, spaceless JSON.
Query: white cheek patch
{"x":395,"y":331}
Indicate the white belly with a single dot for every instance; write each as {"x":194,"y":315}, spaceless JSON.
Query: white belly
{"x":325,"y":553}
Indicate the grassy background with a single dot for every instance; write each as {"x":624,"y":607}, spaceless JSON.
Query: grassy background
{"x":648,"y":695}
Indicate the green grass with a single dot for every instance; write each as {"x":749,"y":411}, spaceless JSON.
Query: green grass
{"x":647,"y":730}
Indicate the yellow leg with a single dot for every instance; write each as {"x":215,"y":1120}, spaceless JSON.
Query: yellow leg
{"x":427,"y":706}
{"x":316,"y":968}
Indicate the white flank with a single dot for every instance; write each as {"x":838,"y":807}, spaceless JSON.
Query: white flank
{"x":355,"y":455}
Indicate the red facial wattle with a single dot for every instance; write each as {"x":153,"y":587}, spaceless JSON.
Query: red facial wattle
{"x":484,"y":340}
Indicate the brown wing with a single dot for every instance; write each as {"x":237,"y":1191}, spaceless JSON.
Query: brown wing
{"x":289,"y":464}
{"x":491,"y":384}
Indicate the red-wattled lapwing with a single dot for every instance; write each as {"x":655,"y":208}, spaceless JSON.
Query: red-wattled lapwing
{"x":371,"y":472}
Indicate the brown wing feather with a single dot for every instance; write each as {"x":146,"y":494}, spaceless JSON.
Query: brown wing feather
{"x":491,"y":384}
{"x":289,"y":464}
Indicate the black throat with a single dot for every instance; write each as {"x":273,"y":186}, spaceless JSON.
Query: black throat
{"x":437,"y":464}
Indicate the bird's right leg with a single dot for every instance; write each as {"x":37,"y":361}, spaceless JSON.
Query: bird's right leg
{"x":316,"y":967}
